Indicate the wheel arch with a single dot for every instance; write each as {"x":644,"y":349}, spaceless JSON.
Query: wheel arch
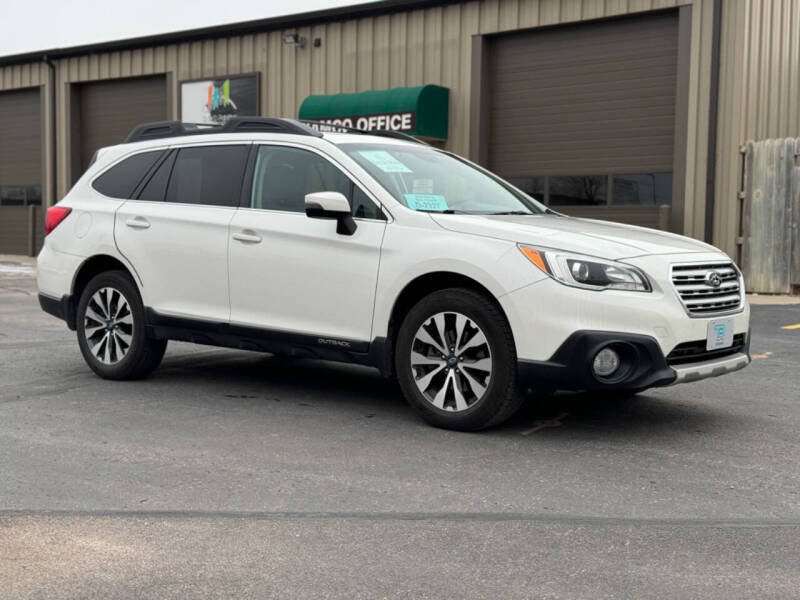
{"x":418,"y":288}
{"x":94,"y":265}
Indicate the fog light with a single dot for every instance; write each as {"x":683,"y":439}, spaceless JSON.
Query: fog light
{"x":605,"y":362}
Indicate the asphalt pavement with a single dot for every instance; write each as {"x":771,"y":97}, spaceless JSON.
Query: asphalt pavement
{"x":230,"y":474}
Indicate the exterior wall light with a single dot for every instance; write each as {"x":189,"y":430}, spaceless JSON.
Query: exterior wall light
{"x":294,"y":39}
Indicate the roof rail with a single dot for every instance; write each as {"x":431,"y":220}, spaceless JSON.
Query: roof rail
{"x":166,"y":129}
{"x":336,"y":128}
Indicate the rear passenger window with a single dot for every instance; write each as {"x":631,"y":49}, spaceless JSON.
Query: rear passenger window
{"x":156,"y":188}
{"x":210,"y":175}
{"x":121,"y":180}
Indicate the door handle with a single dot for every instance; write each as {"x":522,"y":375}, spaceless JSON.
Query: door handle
{"x":137,"y":223}
{"x":247,"y":236}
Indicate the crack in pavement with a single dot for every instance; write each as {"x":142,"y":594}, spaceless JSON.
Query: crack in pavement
{"x":406,"y":516}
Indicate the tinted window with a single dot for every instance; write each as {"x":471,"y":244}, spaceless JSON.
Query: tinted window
{"x":208,"y":175}
{"x":363,"y":207}
{"x":283,"y":176}
{"x":578,"y":190}
{"x":121,"y":179}
{"x":642,"y":188}
{"x":156,"y":188}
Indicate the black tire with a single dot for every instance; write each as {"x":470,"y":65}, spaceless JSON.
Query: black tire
{"x":501,"y":398}
{"x":143,"y":355}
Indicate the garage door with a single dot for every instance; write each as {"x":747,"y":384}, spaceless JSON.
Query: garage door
{"x":110,"y":109}
{"x":20,"y":167}
{"x":584,"y":115}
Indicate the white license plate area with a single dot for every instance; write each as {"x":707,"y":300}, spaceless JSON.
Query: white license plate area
{"x":719,"y":334}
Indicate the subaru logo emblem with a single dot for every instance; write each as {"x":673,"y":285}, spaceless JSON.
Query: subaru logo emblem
{"x":713,"y":279}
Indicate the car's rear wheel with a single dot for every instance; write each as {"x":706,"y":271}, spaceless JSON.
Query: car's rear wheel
{"x":111,"y":329}
{"x":455,"y":361}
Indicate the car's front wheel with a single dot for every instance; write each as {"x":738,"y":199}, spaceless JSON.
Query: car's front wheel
{"x":456,"y":362}
{"x":111,"y":329}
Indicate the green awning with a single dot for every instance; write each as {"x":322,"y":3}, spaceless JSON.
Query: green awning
{"x":421,"y":111}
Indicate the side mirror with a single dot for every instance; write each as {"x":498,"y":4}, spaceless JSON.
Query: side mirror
{"x":331,"y":205}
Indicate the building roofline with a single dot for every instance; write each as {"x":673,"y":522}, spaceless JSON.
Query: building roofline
{"x":339,"y":13}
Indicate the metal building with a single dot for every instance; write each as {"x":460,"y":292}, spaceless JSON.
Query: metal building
{"x":629,"y":110}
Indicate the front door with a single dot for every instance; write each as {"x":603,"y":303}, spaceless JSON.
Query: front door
{"x":293,"y":274}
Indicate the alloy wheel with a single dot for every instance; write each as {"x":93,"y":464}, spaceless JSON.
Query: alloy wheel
{"x":451,"y":361}
{"x":108,"y":325}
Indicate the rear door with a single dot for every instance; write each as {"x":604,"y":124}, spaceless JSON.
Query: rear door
{"x":175,"y":231}
{"x":293,"y":274}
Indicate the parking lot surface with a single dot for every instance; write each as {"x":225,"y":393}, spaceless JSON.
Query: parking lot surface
{"x":235,"y":474}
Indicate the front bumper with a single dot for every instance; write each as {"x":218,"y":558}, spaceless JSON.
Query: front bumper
{"x":643,"y":364}
{"x":544,"y":314}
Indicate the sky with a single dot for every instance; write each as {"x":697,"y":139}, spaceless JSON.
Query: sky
{"x":32,"y":25}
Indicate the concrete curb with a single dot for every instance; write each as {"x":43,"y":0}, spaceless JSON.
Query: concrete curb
{"x":15,"y":259}
{"x":772,"y":300}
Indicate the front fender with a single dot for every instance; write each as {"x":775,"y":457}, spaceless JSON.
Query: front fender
{"x":408,"y":254}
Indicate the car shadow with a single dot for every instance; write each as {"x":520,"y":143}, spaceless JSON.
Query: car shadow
{"x":232,"y":377}
{"x":247,"y":375}
{"x":644,"y":415}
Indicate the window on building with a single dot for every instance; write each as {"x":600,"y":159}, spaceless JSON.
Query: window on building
{"x":533,"y":186}
{"x":651,"y":189}
{"x":284,"y":175}
{"x":209,"y":175}
{"x":20,"y":195}
{"x":121,"y":180}
{"x":637,"y":189}
{"x":571,"y":190}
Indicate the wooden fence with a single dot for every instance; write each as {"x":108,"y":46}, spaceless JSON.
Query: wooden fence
{"x":21,"y":230}
{"x":771,"y":216}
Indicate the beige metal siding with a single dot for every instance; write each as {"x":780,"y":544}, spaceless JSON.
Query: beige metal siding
{"x":430,"y":45}
{"x":23,"y":75}
{"x":589,"y":99}
{"x":759,"y":94}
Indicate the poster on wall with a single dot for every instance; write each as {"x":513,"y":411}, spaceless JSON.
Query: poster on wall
{"x":217,"y":100}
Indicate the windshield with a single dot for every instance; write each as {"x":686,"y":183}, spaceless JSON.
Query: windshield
{"x":428,"y":180}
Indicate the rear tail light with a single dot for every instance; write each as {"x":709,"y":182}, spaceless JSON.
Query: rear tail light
{"x":55,"y":214}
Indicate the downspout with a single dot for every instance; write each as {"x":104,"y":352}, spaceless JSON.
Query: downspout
{"x":53,"y":111}
{"x":713,"y":101}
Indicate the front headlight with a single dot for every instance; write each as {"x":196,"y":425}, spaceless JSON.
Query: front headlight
{"x":586,"y":272}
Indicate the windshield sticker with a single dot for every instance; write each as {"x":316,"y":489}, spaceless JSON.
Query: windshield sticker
{"x":432,"y":202}
{"x":422,"y":186}
{"x":384,"y":161}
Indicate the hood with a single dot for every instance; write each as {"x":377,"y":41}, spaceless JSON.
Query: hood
{"x":584,"y":236}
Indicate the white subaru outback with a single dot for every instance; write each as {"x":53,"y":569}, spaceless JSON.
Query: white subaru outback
{"x":268,"y":235}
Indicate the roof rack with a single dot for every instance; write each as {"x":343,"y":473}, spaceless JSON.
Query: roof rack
{"x":166,"y":129}
{"x":324,"y":126}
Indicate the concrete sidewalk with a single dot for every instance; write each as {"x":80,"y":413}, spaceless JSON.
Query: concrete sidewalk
{"x":15,"y":259}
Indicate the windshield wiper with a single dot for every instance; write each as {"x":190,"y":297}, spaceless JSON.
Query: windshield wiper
{"x":510,"y":212}
{"x":448,"y":211}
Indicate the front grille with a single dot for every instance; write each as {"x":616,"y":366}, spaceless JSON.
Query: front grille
{"x":701,"y":298}
{"x":690,"y":352}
